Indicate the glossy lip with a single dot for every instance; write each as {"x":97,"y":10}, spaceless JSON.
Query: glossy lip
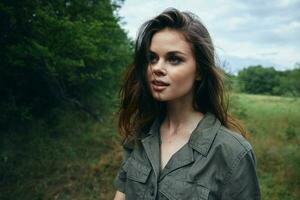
{"x":159,"y":86}
{"x":159,"y":83}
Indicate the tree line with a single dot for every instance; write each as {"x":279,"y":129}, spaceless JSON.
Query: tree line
{"x":59,"y":53}
{"x":267,"y":80}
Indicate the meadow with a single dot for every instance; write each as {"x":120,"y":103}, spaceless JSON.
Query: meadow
{"x":274,"y":126}
{"x":79,"y":158}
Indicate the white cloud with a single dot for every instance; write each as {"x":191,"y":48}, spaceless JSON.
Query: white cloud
{"x":248,"y":31}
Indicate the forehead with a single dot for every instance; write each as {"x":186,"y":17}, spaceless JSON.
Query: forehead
{"x":168,"y":40}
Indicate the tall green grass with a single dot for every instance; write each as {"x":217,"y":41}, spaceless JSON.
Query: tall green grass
{"x":70,"y":158}
{"x":274,"y":124}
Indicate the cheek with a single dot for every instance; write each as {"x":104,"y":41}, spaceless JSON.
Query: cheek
{"x":149,"y":73}
{"x":149,"y":77}
{"x":185,"y":83}
{"x":184,"y":78}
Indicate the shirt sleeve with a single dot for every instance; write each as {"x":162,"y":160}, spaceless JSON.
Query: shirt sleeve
{"x":121,"y":177}
{"x":242,"y":182}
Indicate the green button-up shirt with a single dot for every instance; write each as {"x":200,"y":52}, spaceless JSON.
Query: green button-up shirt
{"x":215,"y":164}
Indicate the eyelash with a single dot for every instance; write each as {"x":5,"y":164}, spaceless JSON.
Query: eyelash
{"x":152,"y":58}
{"x":174,"y":60}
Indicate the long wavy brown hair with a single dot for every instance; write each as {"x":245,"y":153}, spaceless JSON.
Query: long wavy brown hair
{"x":138,"y":108}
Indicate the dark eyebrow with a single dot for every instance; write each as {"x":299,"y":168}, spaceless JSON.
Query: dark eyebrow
{"x":170,"y":53}
{"x":174,"y":53}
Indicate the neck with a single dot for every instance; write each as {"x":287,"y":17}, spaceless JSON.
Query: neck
{"x":180,"y":114}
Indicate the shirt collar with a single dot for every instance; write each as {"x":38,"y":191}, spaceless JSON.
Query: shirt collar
{"x":203,"y":135}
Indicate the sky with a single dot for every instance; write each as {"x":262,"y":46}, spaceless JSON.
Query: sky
{"x":244,"y":32}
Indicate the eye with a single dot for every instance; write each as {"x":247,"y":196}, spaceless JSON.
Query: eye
{"x":152,"y":58}
{"x":175,"y":60}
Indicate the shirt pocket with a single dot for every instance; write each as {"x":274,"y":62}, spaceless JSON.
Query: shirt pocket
{"x":174,"y":189}
{"x":137,"y":174}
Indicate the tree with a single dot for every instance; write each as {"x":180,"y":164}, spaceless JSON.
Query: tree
{"x":258,"y":80}
{"x":57,"y":52}
{"x":289,"y":82}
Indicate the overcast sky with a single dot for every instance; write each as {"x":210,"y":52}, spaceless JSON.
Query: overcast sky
{"x":245,"y":32}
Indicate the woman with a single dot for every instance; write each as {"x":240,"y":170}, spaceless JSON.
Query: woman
{"x":179,"y":140}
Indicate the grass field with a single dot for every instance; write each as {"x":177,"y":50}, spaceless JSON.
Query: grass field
{"x":274,"y":124}
{"x":78,"y":158}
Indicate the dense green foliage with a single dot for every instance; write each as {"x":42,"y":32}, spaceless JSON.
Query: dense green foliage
{"x":262,"y":80}
{"x":58,"y":52}
{"x":258,"y":80}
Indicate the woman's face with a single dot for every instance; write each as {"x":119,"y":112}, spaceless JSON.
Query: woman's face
{"x":171,"y":71}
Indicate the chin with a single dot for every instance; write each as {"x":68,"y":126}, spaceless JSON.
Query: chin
{"x":161,"y":98}
{"x":158,"y":98}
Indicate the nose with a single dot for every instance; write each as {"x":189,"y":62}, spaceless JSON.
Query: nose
{"x":158,"y":69}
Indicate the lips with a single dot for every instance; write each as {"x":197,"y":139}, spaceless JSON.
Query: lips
{"x":159,"y":86}
{"x":159,"y":83}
